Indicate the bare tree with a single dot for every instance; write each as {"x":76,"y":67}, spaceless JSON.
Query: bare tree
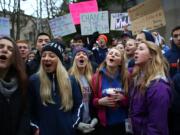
{"x":52,"y":9}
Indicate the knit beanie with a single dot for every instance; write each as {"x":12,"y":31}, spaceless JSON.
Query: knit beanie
{"x":56,"y":47}
{"x":103,"y":37}
{"x":79,"y":50}
{"x":149,"y":36}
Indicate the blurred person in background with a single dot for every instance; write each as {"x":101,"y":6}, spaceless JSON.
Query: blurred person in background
{"x":130,"y":49}
{"x":100,"y":51}
{"x":24,"y":48}
{"x":42,"y":39}
{"x":174,"y":53}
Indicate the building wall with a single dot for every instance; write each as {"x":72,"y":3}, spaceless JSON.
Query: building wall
{"x":172,"y":15}
{"x":29,"y":27}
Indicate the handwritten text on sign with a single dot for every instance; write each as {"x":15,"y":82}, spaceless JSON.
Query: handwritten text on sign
{"x":152,"y":21}
{"x":92,"y":22}
{"x":62,"y":26}
{"x":118,"y":20}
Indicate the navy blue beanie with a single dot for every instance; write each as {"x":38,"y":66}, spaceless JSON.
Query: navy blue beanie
{"x":79,"y":50}
{"x":55,"y":47}
{"x":149,"y":36}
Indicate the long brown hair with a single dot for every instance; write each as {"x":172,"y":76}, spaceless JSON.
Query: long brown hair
{"x":17,"y":69}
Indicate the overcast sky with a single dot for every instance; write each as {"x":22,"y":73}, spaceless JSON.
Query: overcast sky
{"x":30,"y":7}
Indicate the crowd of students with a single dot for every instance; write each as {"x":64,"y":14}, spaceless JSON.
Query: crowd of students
{"x":130,"y":86}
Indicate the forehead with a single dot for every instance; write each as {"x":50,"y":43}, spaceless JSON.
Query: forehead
{"x":22,"y":44}
{"x":81,"y":52}
{"x":120,"y":45}
{"x":6,"y":42}
{"x":143,"y":45}
{"x":77,"y":41}
{"x":131,"y":41}
{"x":176,"y":31}
{"x":113,"y":50}
{"x":48,"y":52}
{"x":43,"y":37}
{"x":140,"y":35}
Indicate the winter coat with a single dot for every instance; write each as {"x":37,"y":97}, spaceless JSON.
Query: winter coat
{"x":149,"y":111}
{"x":14,"y":116}
{"x":33,"y":66}
{"x":172,"y":56}
{"x":175,"y":111}
{"x":50,"y":119}
{"x":100,"y":54}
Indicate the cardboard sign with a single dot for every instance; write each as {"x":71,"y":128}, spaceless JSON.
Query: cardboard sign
{"x":4,"y":26}
{"x":147,"y":15}
{"x":92,"y":22}
{"x":118,"y":20}
{"x":62,"y":26}
{"x":82,"y":7}
{"x":150,"y":22}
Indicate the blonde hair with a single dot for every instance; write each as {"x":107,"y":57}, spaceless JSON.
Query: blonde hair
{"x":64,"y":85}
{"x":87,"y":72}
{"x":158,"y":65}
{"x":122,"y":69}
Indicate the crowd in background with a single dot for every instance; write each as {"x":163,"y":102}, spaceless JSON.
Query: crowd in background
{"x":126,"y":85}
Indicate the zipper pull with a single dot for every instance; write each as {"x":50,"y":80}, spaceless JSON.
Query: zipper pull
{"x":53,"y":85}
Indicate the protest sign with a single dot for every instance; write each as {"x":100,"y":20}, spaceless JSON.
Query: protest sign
{"x":82,"y":7}
{"x":62,"y":26}
{"x":147,"y":15}
{"x":4,"y":26}
{"x":118,"y":20}
{"x":92,"y":22}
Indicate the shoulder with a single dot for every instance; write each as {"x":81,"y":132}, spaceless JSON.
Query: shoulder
{"x":159,"y":89}
{"x":168,"y":53}
{"x":96,"y":76}
{"x":34,"y":80}
{"x":34,"y":77}
{"x":74,"y":82}
{"x":72,"y":79}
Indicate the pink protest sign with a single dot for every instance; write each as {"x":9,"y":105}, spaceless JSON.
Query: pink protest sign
{"x":82,"y":7}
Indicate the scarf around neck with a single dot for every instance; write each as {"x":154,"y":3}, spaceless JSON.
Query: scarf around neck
{"x":8,"y":88}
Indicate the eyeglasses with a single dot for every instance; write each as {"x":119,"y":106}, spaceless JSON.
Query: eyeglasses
{"x":176,"y":35}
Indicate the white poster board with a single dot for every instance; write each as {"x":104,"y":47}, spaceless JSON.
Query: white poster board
{"x":118,"y":20}
{"x":93,"y":22}
{"x":62,"y":26}
{"x":4,"y":26}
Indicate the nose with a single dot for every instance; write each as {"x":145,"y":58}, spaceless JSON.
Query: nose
{"x":136,"y":52}
{"x":179,"y":37}
{"x":46,"y":57}
{"x":4,"y":49}
{"x":44,"y":42}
